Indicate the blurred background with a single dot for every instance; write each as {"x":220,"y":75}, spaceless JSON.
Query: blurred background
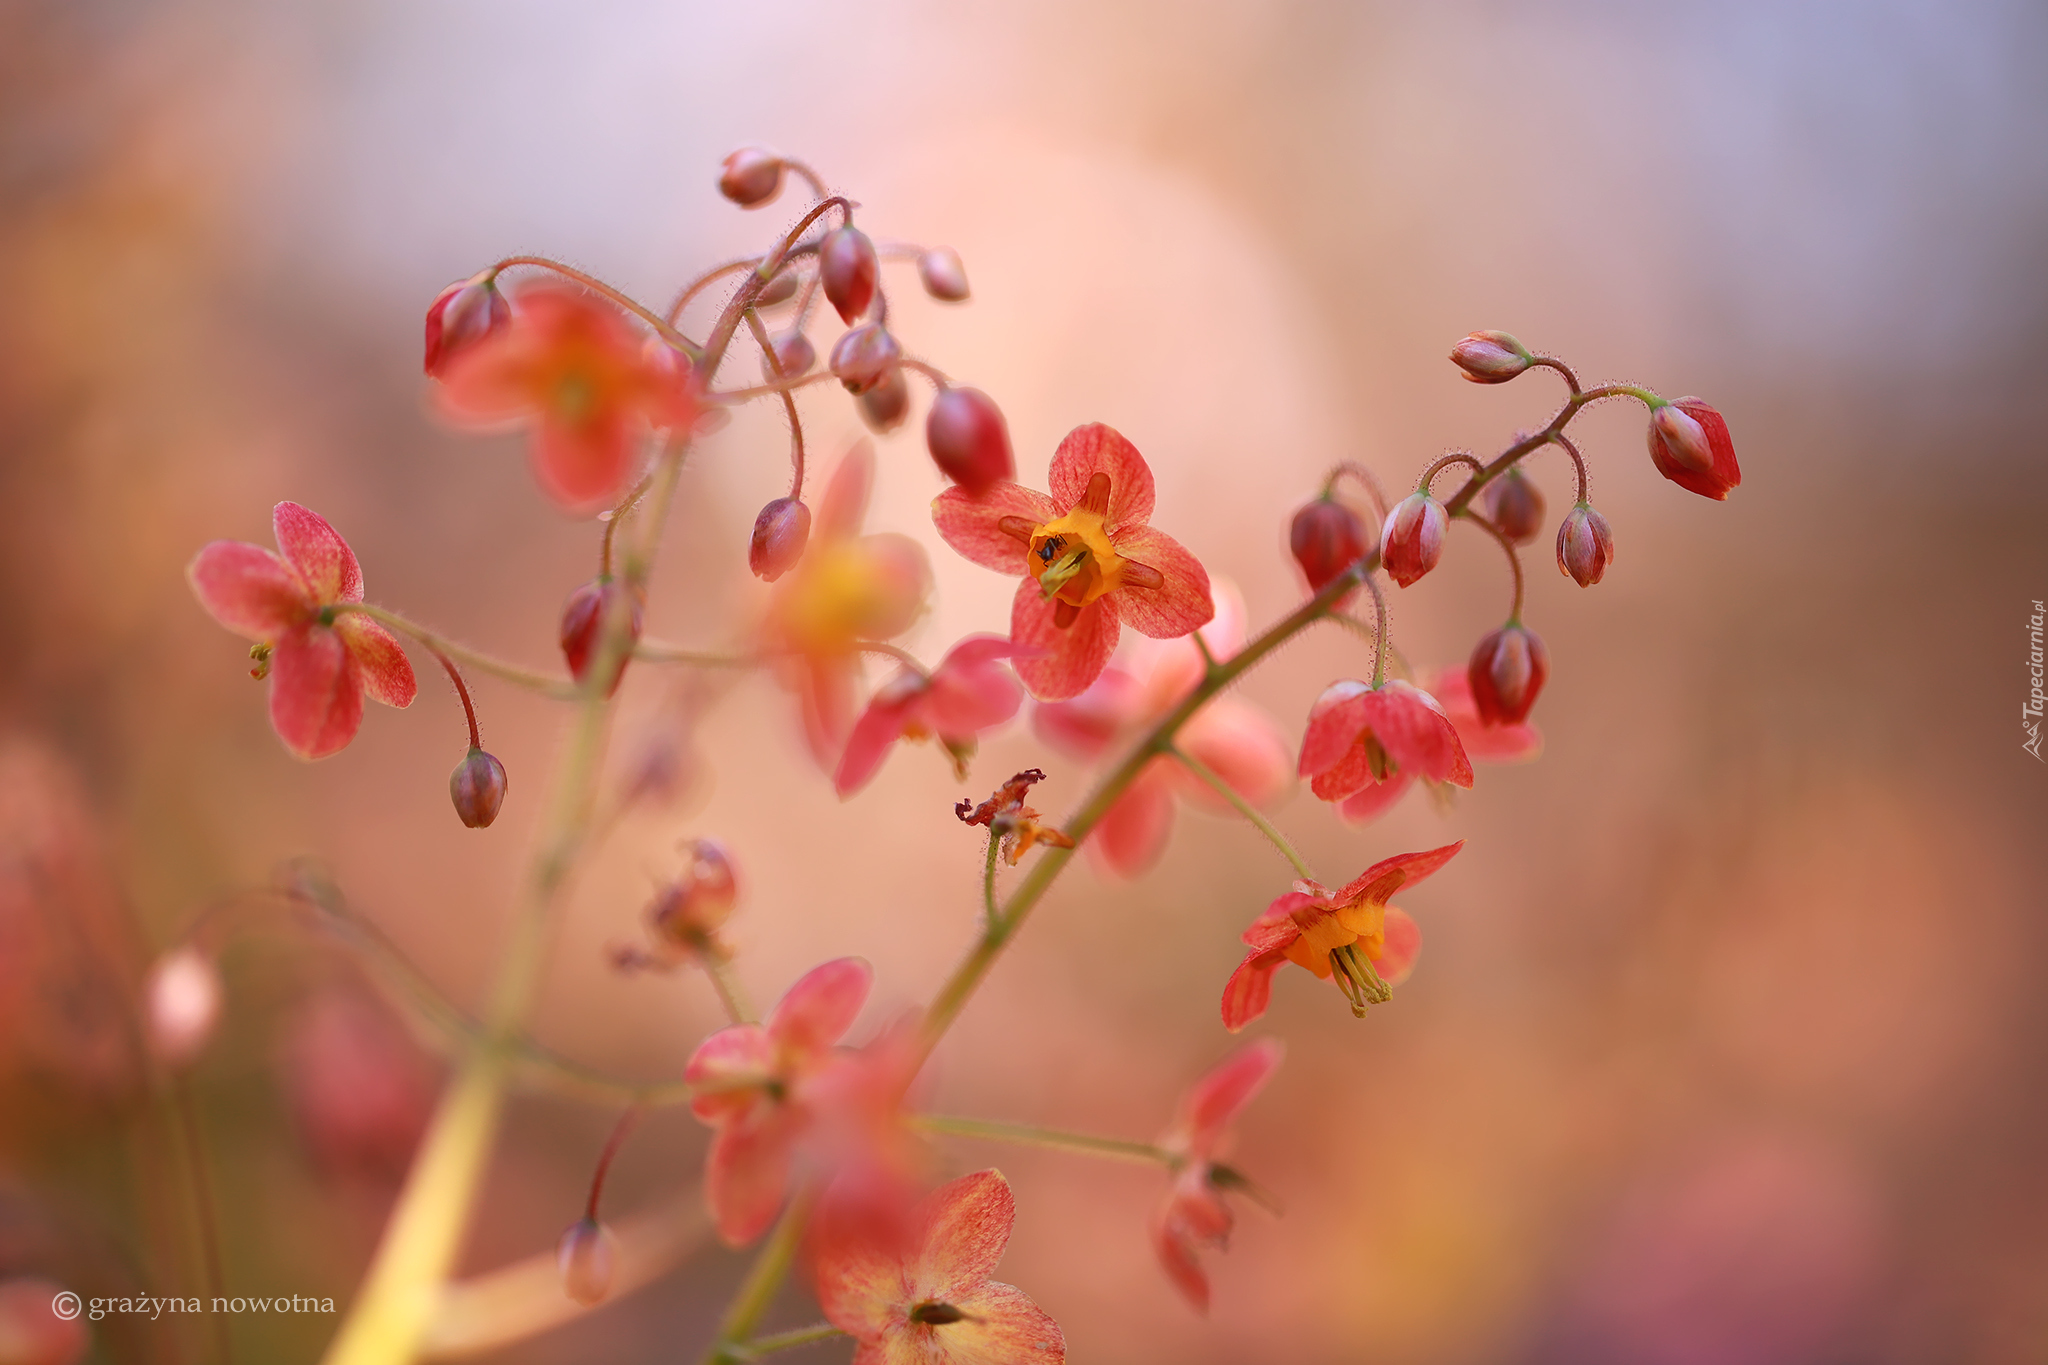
{"x":1726,"y":1044}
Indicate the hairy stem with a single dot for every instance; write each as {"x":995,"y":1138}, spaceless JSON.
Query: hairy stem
{"x":1030,"y":1135}
{"x":1507,"y":458}
{"x":1243,"y":807}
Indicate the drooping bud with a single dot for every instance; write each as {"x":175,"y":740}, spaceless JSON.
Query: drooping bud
{"x":1585,"y":545}
{"x":943,"y":274}
{"x":588,"y":1255}
{"x":477,"y":787}
{"x":583,"y":619}
{"x":751,"y":177}
{"x":697,"y":904}
{"x":1690,"y":445}
{"x":1515,"y":506}
{"x":864,"y":356}
{"x":1412,"y":541}
{"x":968,"y":439}
{"x":793,"y":351}
{"x":779,"y":536}
{"x":1507,"y":672}
{"x":461,"y":315}
{"x":1490,"y":357}
{"x":849,"y":270}
{"x":779,"y":290}
{"x":181,"y":1004}
{"x":884,"y":406}
{"x":1326,"y":538}
{"x":39,"y":1323}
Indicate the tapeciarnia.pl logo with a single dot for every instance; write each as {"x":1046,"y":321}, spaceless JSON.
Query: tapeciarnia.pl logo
{"x":2030,"y":712}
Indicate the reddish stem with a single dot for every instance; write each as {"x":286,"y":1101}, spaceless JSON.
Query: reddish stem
{"x":1443,"y":462}
{"x":1578,"y":464}
{"x":1514,"y":559}
{"x":604,"y":1160}
{"x":729,"y":320}
{"x":796,"y":425}
{"x":462,"y":691}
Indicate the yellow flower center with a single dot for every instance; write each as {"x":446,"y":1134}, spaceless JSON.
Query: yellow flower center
{"x":1073,"y":559}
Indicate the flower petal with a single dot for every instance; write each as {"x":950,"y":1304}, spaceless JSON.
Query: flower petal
{"x":1379,"y":882}
{"x":1415,"y":732}
{"x":1250,"y":988}
{"x":1240,"y":744}
{"x":248,"y":589}
{"x":972,"y":526}
{"x":1133,"y":832}
{"x":967,"y":1224}
{"x":746,"y":1174}
{"x":970,"y":693}
{"x":1351,"y":774}
{"x":1085,"y":726}
{"x":1220,"y":1095}
{"x":1002,"y":1327}
{"x":1370,"y":803}
{"x":1175,"y":1249}
{"x":1097,"y":449}
{"x":879,"y":726}
{"x":1071,"y":658}
{"x":586,"y":465}
{"x":380,"y":660}
{"x":861,"y":1286}
{"x":1492,"y":743}
{"x":845,"y":503}
{"x":318,"y":552}
{"x":820,"y":1007}
{"x":316,"y":698}
{"x":825,"y":690}
{"x":1403,"y":946}
{"x":727,"y":1070}
{"x":1178,"y":606}
{"x":1334,"y":723}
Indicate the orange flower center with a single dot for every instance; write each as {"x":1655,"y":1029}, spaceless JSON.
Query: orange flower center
{"x":1073,"y":558}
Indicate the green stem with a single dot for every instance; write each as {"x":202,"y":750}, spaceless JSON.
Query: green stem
{"x":764,"y":1279}
{"x":783,"y":1341}
{"x":988,"y":881}
{"x":1029,"y":1135}
{"x":1244,"y":808}
{"x":730,"y":993}
{"x":190,"y":1141}
{"x":546,"y":684}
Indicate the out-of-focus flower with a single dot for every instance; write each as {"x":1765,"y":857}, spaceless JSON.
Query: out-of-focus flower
{"x":359,"y":1089}
{"x":1484,"y":743}
{"x":1231,"y":737}
{"x":847,"y":588}
{"x":751,"y":177}
{"x":31,"y":1333}
{"x":320,"y":662}
{"x":573,"y":366}
{"x":1007,"y":817}
{"x":1090,"y":560}
{"x":465,"y":313}
{"x":970,"y":691}
{"x":1359,"y":737}
{"x":180,"y":1005}
{"x":1585,"y":545}
{"x":1515,"y":506}
{"x":588,"y":1257}
{"x":1193,"y":1215}
{"x":1690,"y":445}
{"x":1412,"y":540}
{"x":932,"y":1301}
{"x":1490,"y":357}
{"x":1351,"y":934}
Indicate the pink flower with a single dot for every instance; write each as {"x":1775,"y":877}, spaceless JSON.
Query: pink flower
{"x":931,"y":1301}
{"x":1090,"y":561}
{"x":970,"y":691}
{"x":1351,"y":934}
{"x":1452,"y":690}
{"x":319,"y":661}
{"x":847,"y":588}
{"x":1361,"y":738}
{"x":1232,"y":738}
{"x":1194,"y":1215}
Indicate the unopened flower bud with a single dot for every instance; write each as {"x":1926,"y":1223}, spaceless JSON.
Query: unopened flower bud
{"x":751,"y":177}
{"x":884,"y":406}
{"x":793,"y":352}
{"x":943,"y":274}
{"x":589,"y":1257}
{"x":864,"y":356}
{"x":849,"y":270}
{"x":1515,"y":506}
{"x":1585,"y":545}
{"x":1690,"y":445}
{"x":1326,"y":538}
{"x":693,"y":907}
{"x":779,"y":535}
{"x":1490,"y":357}
{"x":1507,"y":671}
{"x":968,"y":439}
{"x":461,"y":315}
{"x":181,"y":1004}
{"x":583,"y":623}
{"x":477,"y":787}
{"x":779,"y":290}
{"x":1412,"y":541}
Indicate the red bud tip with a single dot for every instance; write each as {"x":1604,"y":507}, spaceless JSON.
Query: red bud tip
{"x":1690,"y":445}
{"x":794,"y":352}
{"x":1412,"y":541}
{"x":1490,"y":357}
{"x":779,"y":535}
{"x":1507,"y":672}
{"x":589,"y":1257}
{"x":864,"y":356}
{"x":700,"y":901}
{"x":885,"y":406}
{"x":477,"y":787}
{"x":779,"y":290}
{"x":1585,"y":545}
{"x":462,"y":315}
{"x":583,"y":618}
{"x":1514,"y":505}
{"x":181,"y":1005}
{"x":849,"y":270}
{"x":969,"y":440}
{"x":943,"y":274}
{"x":751,"y":177}
{"x":1326,"y":538}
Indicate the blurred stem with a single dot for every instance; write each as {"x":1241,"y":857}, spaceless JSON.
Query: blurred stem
{"x":730,"y":993}
{"x":189,"y":1143}
{"x":734,"y":397}
{"x":783,"y":1341}
{"x":595,"y":285}
{"x":1244,"y":808}
{"x":1514,"y":560}
{"x":763,"y":1282}
{"x":796,"y":423}
{"x":548,"y":685}
{"x":1029,"y":1135}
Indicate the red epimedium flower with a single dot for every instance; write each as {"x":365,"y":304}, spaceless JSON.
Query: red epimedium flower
{"x":1194,"y":1216}
{"x":970,"y":691}
{"x":1483,"y":743}
{"x":320,"y":662}
{"x":929,"y":1300}
{"x":572,"y":365}
{"x":1360,"y":737}
{"x":1090,"y":560}
{"x":1352,"y":935}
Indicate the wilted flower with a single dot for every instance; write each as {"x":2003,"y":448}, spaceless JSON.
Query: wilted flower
{"x":970,"y":691}
{"x":1193,"y":1215}
{"x":1007,"y":818}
